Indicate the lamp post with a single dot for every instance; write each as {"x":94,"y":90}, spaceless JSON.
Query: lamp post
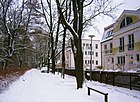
{"x":91,"y":36}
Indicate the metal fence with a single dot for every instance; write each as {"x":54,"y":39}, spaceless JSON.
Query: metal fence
{"x":121,"y":79}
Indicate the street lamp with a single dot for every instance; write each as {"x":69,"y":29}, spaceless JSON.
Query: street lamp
{"x":91,"y":36}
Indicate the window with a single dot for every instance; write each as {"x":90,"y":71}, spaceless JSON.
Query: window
{"x":105,"y":47}
{"x":122,"y":23}
{"x":90,"y":45}
{"x":87,"y":46}
{"x":131,"y":42}
{"x":85,"y":52}
{"x":111,"y":46}
{"x":126,"y":21}
{"x":109,"y":33}
{"x":118,"y":60}
{"x":96,"y":46}
{"x":112,"y":60}
{"x":83,"y":44}
{"x":88,"y":61}
{"x":96,"y":54}
{"x":138,"y":57}
{"x":85,"y":61}
{"x":96,"y":62}
{"x":121,"y":60}
{"x":89,"y":52}
{"x":121,"y":47}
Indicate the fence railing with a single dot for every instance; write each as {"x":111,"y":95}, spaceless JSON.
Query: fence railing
{"x":121,"y":79}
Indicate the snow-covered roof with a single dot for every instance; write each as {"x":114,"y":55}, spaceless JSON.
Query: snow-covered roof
{"x":108,"y":33}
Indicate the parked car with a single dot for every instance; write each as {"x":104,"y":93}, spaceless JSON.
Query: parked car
{"x":44,"y":69}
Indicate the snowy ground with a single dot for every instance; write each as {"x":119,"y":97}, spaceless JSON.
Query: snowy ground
{"x":35,"y":86}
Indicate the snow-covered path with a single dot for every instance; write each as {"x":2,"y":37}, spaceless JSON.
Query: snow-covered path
{"x":35,"y":86}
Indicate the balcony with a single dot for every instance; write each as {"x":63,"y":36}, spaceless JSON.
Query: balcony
{"x":108,"y":51}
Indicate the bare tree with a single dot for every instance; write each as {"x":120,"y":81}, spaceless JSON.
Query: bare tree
{"x":76,"y":31}
{"x":80,"y":20}
{"x":53,"y":24}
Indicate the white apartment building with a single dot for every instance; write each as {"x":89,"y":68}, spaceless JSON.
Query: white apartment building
{"x":96,"y":53}
{"x":86,"y":45}
{"x":125,"y":43}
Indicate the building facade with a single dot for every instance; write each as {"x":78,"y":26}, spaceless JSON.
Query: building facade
{"x":96,"y":53}
{"x":86,"y":45}
{"x":107,"y":56}
{"x":125,"y":43}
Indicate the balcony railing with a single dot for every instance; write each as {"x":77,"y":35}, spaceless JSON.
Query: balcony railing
{"x":108,"y":51}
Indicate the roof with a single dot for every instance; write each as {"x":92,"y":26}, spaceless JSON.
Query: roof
{"x":105,"y":36}
{"x":129,"y":12}
{"x":108,"y":33}
{"x":106,"y":28}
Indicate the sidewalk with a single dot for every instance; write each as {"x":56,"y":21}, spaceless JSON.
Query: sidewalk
{"x":35,"y":86}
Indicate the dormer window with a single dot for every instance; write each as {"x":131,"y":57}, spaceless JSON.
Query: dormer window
{"x":109,"y":33}
{"x":126,"y":21}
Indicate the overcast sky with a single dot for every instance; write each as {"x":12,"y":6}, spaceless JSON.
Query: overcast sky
{"x":104,"y":22}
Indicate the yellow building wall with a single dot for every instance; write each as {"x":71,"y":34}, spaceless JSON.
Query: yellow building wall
{"x":134,"y":18}
{"x":137,"y":46}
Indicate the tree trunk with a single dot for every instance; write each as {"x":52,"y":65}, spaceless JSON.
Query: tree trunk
{"x":79,"y":66}
{"x":48,"y":70}
{"x":53,"y":61}
{"x":63,"y":54}
{"x":76,"y":31}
